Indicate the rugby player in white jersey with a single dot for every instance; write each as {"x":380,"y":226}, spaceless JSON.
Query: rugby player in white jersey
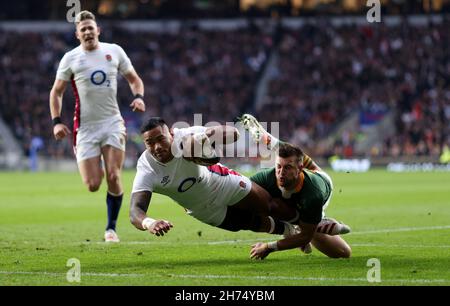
{"x":213,"y":194}
{"x":98,"y":129}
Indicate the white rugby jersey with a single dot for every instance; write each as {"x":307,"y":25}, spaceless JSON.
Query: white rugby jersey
{"x":196,"y":188}
{"x":94,"y":80}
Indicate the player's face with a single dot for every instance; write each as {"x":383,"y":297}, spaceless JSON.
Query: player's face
{"x":287,"y":171}
{"x":159,"y":142}
{"x":87,"y":33}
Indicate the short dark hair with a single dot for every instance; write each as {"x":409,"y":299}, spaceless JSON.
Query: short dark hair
{"x":151,"y":123}
{"x":286,"y":150}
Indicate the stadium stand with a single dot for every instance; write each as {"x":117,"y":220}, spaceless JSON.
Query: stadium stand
{"x":212,"y":73}
{"x":324,"y":74}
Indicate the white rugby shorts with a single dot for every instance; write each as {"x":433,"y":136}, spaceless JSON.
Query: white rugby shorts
{"x":90,"y":138}
{"x":234,"y":187}
{"x":328,"y":178}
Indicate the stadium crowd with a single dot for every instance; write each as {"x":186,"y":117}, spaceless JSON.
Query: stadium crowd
{"x":207,"y":72}
{"x":324,"y":74}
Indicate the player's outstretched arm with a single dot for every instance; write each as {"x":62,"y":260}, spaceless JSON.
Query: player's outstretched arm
{"x":60,"y":130}
{"x":262,"y":250}
{"x":140,"y":202}
{"x":137,"y":88}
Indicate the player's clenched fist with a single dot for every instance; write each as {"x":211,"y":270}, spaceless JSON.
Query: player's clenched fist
{"x":156,"y":227}
{"x":60,"y":131}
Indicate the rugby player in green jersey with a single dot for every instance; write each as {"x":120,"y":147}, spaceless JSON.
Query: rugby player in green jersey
{"x":299,"y":181}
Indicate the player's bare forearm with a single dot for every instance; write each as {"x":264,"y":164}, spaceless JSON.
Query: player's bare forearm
{"x":139,"y":204}
{"x":56,"y":95}
{"x":298,"y":240}
{"x":55,"y":104}
{"x":135,"y":82}
{"x":137,"y":88}
{"x":261,"y":250}
{"x":60,"y":130}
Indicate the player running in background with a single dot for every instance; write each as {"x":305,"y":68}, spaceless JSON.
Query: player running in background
{"x":99,"y":129}
{"x":299,"y":180}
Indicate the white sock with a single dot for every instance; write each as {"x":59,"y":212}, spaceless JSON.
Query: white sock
{"x":272,"y":225}
{"x":273,"y":143}
{"x":114,"y":194}
{"x":295,"y":219}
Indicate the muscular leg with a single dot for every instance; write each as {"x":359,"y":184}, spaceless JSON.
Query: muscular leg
{"x":237,"y":219}
{"x":91,"y":173}
{"x":332,"y":246}
{"x":254,"y":212}
{"x":259,"y":201}
{"x":114,"y":159}
{"x":113,"y":164}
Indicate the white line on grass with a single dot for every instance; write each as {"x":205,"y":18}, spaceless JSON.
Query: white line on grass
{"x":406,"y":246}
{"x":402,"y":229}
{"x":309,"y":278}
{"x":207,"y":276}
{"x":236,"y":241}
{"x":392,"y":230}
{"x":63,"y":274}
{"x":380,"y":231}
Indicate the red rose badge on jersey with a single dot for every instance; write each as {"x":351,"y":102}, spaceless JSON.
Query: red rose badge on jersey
{"x":108,"y":57}
{"x":242,"y":184}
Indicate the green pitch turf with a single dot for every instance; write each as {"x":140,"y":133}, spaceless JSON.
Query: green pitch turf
{"x":403,"y":220}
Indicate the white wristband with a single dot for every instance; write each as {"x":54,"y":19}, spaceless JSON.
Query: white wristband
{"x":273,"y":246}
{"x":147,"y":223}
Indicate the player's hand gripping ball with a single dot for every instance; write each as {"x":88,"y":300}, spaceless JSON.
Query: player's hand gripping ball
{"x":198,"y":149}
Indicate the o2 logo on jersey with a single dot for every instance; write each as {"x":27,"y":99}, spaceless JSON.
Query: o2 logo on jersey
{"x":98,"y":77}
{"x":187,"y":184}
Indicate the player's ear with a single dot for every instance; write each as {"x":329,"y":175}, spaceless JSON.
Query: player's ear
{"x":98,"y":30}
{"x":171,"y":132}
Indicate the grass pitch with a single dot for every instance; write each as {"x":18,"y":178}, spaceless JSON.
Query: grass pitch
{"x":403,"y":220}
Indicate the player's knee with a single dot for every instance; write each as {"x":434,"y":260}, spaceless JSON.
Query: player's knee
{"x":93,"y":187}
{"x":113,"y":178}
{"x":346,"y":252}
{"x":93,"y":184}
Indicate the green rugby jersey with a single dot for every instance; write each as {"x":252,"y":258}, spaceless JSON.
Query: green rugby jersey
{"x":309,"y":200}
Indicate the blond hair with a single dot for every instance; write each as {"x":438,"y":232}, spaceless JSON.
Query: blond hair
{"x":84,"y":15}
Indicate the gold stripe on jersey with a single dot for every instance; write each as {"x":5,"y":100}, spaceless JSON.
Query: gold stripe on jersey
{"x":307,"y":161}
{"x":300,"y":182}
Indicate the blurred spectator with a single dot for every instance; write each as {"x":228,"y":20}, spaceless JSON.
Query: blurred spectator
{"x":324,"y":74}
{"x":209,"y":72}
{"x":36,"y":145}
